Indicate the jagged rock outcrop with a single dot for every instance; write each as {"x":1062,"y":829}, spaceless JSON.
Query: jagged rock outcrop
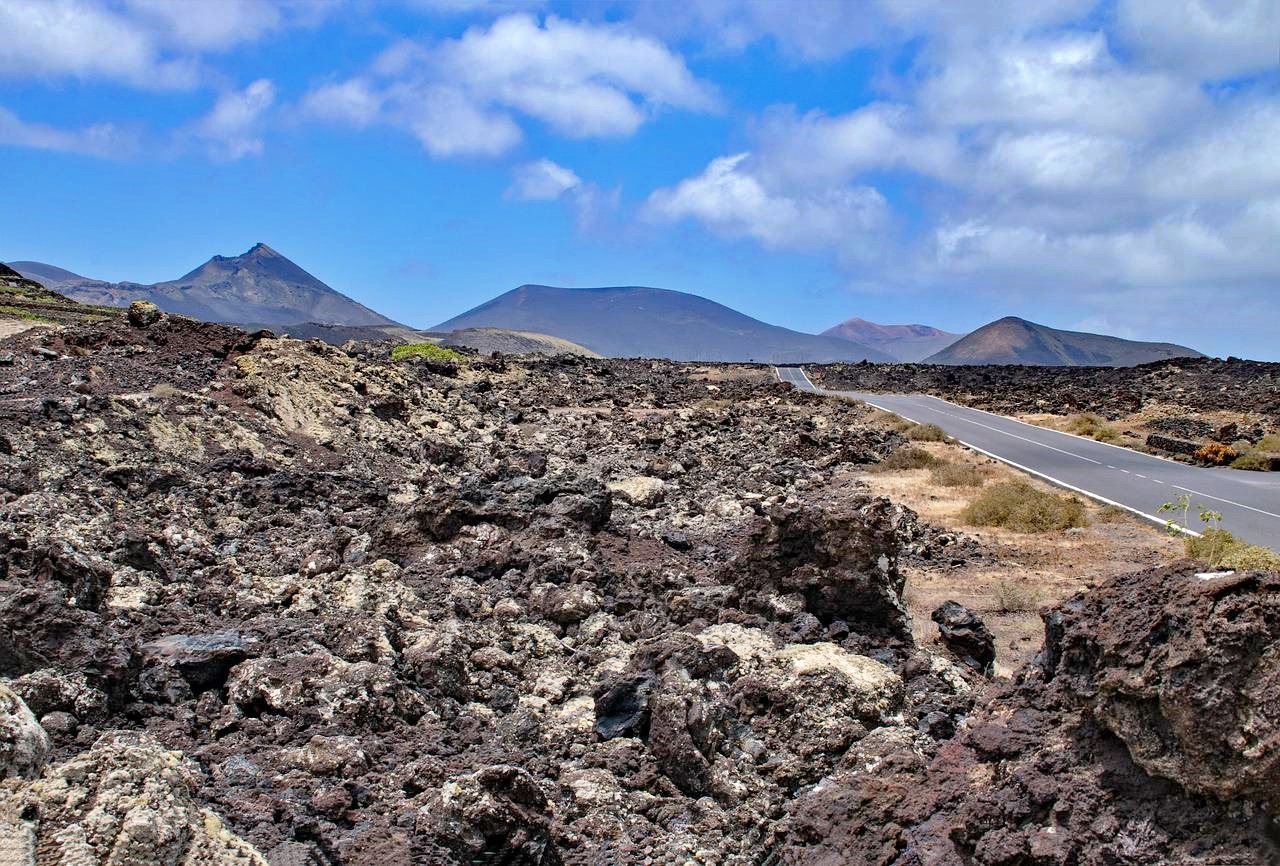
{"x":125,"y":800}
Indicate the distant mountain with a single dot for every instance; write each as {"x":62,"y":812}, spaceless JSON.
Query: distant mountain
{"x":483,"y":340}
{"x":1016,"y":341}
{"x":260,"y":286}
{"x":641,"y":322}
{"x":904,"y":342}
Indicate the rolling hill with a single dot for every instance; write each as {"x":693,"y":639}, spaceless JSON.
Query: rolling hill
{"x":260,"y":286}
{"x":904,"y":342}
{"x":638,"y":321}
{"x":1016,"y":341}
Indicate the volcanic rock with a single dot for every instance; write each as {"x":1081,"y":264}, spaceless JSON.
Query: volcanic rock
{"x":965,"y":634}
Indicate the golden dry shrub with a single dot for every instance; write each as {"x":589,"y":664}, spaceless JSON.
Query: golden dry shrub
{"x":1019,"y":506}
{"x":1217,"y":453}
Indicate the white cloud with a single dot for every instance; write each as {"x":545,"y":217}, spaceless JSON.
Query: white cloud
{"x":463,"y":96}
{"x":1208,"y":39}
{"x":732,"y":200}
{"x":543,"y":180}
{"x":231,"y":130}
{"x":153,"y":44}
{"x":1039,"y":161}
{"x":50,"y":38}
{"x":104,"y":139}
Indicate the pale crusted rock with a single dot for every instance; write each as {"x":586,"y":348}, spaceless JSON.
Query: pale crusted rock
{"x":23,"y":743}
{"x":127,"y":800}
{"x":640,"y":490}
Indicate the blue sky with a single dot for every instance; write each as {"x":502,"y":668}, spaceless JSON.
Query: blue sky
{"x":1102,"y":166}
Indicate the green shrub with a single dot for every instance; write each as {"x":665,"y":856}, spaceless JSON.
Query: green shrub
{"x":1270,"y":442}
{"x":1252,"y":462}
{"x":927,"y":433}
{"x":1218,"y":548}
{"x":430,"y":351}
{"x":1016,"y":596}
{"x":1018,"y":506}
{"x":957,"y":475}
{"x":907,"y":458}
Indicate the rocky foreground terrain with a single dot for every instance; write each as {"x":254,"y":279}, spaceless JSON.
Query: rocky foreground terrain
{"x":267,"y":601}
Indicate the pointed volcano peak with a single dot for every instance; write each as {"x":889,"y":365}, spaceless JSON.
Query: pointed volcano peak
{"x":261,"y":250}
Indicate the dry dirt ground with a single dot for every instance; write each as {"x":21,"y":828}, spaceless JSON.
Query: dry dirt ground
{"x":1027,"y":570}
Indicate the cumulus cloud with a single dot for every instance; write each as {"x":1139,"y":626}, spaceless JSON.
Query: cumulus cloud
{"x":232,"y":129}
{"x":732,"y":199}
{"x":1207,"y":39}
{"x":1057,"y":156}
{"x":544,"y":180}
{"x":154,"y":44}
{"x":79,"y":38}
{"x":464,"y":96}
{"x":103,"y":139}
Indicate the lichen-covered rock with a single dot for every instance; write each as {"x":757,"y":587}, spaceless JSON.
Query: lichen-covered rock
{"x":127,"y":800}
{"x":143,"y":314}
{"x":639,"y":490}
{"x":24,"y":745}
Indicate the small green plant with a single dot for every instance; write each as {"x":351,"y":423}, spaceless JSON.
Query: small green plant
{"x":1215,"y":547}
{"x":430,"y":351}
{"x":927,"y":433}
{"x":1013,"y":596}
{"x":1021,"y":507}
{"x":908,"y":457}
{"x":957,"y":475}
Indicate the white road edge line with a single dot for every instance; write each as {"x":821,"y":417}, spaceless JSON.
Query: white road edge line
{"x":1151,"y":517}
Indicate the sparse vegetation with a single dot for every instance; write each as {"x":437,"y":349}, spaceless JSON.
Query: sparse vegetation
{"x":1270,"y":442}
{"x":927,"y":433}
{"x":1019,"y":506}
{"x":1252,"y":462}
{"x":1218,"y":548}
{"x":880,"y":418}
{"x":1112,"y":514}
{"x":19,"y":313}
{"x":907,"y":458}
{"x":1217,"y":453}
{"x":1016,"y":596}
{"x":957,"y":475}
{"x":429,"y":351}
{"x":1091,"y":425}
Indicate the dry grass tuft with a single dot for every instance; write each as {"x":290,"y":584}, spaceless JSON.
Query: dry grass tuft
{"x":1218,"y":548}
{"x":957,"y":475}
{"x":927,"y":433}
{"x":907,"y":458}
{"x":1013,"y":596}
{"x":1019,"y":506}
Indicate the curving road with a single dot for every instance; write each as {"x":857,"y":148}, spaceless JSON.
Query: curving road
{"x":1249,"y":501}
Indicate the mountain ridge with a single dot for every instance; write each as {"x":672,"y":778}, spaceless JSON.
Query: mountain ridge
{"x":904,"y":342}
{"x":645,"y":321}
{"x":260,"y":286}
{"x":1011,"y":340}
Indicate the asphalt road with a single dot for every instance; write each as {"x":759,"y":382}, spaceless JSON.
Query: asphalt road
{"x":1248,"y":501}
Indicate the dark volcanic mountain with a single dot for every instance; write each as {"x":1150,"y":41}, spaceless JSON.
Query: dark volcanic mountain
{"x":1016,"y":341}
{"x":260,"y":286}
{"x":904,"y":342}
{"x":641,"y":322}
